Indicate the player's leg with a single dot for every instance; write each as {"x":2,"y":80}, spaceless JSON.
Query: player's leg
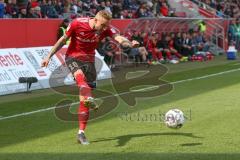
{"x":83,"y":111}
{"x":143,"y":53}
{"x":86,"y":98}
{"x":77,"y":69}
{"x":154,"y":54}
{"x":168,"y":54}
{"x":175,"y":52}
{"x":159,"y":55}
{"x":85,"y":89}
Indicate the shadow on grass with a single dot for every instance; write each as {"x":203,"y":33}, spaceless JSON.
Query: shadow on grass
{"x":190,"y":144}
{"x":123,"y":140}
{"x":120,"y":156}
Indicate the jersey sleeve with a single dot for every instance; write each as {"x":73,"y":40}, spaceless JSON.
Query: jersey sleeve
{"x":71,"y":27}
{"x":110,"y":32}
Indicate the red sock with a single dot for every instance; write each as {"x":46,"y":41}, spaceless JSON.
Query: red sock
{"x":83,"y":115}
{"x":178,"y":55}
{"x":160,"y":55}
{"x":84,"y":88}
{"x":169,"y":55}
{"x":154,"y":54}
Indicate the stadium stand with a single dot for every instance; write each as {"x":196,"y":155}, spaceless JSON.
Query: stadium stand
{"x":119,"y":8}
{"x":122,"y":9}
{"x":224,"y":8}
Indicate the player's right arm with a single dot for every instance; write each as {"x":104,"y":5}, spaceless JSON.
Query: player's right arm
{"x":58,"y":45}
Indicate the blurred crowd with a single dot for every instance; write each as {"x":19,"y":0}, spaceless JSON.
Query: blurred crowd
{"x":77,"y":8}
{"x":229,"y":8}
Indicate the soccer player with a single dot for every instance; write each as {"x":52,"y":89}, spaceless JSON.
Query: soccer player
{"x":85,"y":34}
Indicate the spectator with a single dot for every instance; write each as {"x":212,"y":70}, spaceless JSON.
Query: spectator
{"x":178,"y":42}
{"x":79,"y":7}
{"x":12,"y":9}
{"x":231,"y":31}
{"x":63,"y":28}
{"x":186,"y":45}
{"x":74,"y":6}
{"x":164,"y":10}
{"x":59,"y":7}
{"x":171,"y":46}
{"x":199,"y":43}
{"x":44,"y":7}
{"x":2,"y":8}
{"x":67,"y":6}
{"x":195,"y":42}
{"x":37,"y":11}
{"x":23,"y":13}
{"x":155,"y":51}
{"x":127,"y":4}
{"x":141,"y":12}
{"x":163,"y":45}
{"x":108,"y":6}
{"x":237,"y":33}
{"x":102,"y":6}
{"x":117,"y":10}
{"x":31,"y":13}
{"x":50,"y":10}
{"x":33,"y":4}
{"x":202,"y":26}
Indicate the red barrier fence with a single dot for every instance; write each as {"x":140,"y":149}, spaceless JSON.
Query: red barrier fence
{"x":17,"y":33}
{"x":22,"y":33}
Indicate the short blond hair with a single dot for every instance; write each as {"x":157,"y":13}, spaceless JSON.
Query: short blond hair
{"x":104,"y":14}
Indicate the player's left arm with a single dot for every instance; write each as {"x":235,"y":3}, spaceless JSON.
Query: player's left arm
{"x":124,"y":41}
{"x":111,"y":32}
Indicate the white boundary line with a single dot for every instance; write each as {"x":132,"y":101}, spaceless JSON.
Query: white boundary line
{"x":176,"y":82}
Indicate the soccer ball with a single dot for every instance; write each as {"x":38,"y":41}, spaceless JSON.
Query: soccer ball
{"x":174,"y":118}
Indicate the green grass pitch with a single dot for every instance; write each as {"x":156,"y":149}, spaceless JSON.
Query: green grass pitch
{"x":211,"y":131}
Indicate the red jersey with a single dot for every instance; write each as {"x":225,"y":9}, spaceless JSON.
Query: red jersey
{"x":84,"y":39}
{"x":164,"y":11}
{"x":171,"y":44}
{"x":151,"y":45}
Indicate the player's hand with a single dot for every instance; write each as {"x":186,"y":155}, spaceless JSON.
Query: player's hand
{"x":135,"y":43}
{"x":45,"y":62}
